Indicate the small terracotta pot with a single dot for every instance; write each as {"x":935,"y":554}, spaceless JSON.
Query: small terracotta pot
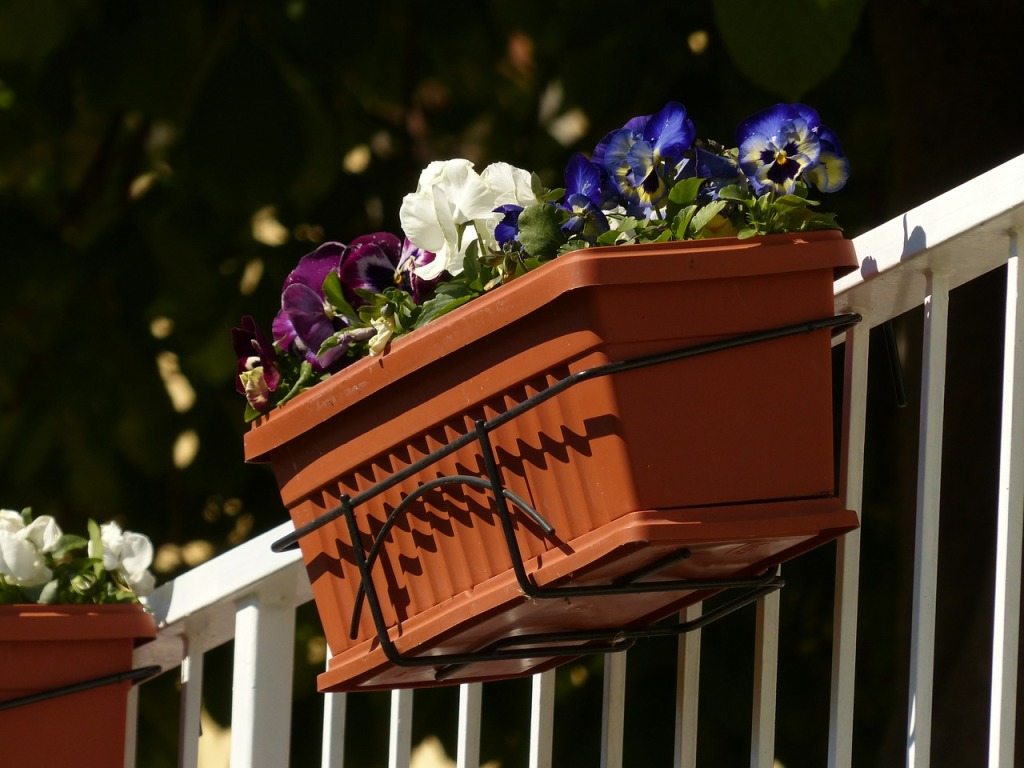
{"x":45,"y":647}
{"x":728,"y":454}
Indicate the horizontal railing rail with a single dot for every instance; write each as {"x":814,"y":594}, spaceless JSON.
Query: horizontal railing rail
{"x":249,"y":595}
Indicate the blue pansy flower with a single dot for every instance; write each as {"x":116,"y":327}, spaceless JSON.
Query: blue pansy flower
{"x":641,"y":157}
{"x":833,"y":168}
{"x":584,"y":195}
{"x":777,"y":144}
{"x":506,"y":231}
{"x":719,"y":170}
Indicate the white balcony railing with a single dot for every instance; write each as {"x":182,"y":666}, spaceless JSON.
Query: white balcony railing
{"x":250,"y":595}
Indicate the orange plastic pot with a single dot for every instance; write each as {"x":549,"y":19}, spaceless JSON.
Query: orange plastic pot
{"x":727,"y":455}
{"x":48,"y":647}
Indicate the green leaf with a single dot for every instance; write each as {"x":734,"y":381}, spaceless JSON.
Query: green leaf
{"x":540,"y":230}
{"x":681,"y":223}
{"x":705,"y":215}
{"x":251,"y":414}
{"x":441,"y":305}
{"x":685,"y":191}
{"x":824,"y":29}
{"x":96,"y":540}
{"x":335,"y":294}
{"x":790,"y":202}
{"x":735,"y":192}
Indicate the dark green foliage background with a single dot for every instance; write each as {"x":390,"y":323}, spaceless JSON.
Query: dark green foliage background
{"x":226,"y":107}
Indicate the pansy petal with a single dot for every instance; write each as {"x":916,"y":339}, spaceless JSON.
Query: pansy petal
{"x":136,"y":552}
{"x":765,"y":123}
{"x":583,"y":177}
{"x":306,"y":311}
{"x":313,"y":268}
{"x":11,"y":521}
{"x":283,"y":331}
{"x":468,"y":196}
{"x":22,"y":563}
{"x":507,"y":230}
{"x":369,"y":263}
{"x":669,"y":131}
{"x":43,"y":532}
{"x":419,"y":222}
{"x":509,"y":185}
{"x":830,"y":173}
{"x":712,"y":166}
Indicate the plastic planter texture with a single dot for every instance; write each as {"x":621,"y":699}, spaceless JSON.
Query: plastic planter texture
{"x":46,"y":647}
{"x":726,"y":457}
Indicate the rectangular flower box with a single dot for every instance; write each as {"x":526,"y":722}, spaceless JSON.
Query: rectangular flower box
{"x":726,"y":457}
{"x":48,"y":647}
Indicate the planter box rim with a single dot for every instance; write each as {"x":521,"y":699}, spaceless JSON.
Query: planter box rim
{"x":686,"y":260}
{"x":28,"y":622}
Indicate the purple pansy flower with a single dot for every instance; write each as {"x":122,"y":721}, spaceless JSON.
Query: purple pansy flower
{"x":406,"y":273}
{"x":306,"y":320}
{"x":369,"y":263}
{"x":257,"y":374}
{"x":310,"y":272}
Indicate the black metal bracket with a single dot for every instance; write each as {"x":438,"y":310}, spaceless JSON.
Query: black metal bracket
{"x":134,"y":676}
{"x":544,"y":645}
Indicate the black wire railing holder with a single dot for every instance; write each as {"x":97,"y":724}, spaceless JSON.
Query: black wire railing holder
{"x":545,"y":644}
{"x":133,"y":676}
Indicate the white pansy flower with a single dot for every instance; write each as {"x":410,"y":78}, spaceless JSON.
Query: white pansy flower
{"x":129,"y":553}
{"x":22,"y":548}
{"x":44,"y":533}
{"x":11,"y":521}
{"x":510,"y":185}
{"x":450,"y":196}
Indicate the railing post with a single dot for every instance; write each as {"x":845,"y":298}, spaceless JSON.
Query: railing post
{"x":542,"y":709}
{"x":844,"y":633}
{"x":926,"y":546}
{"x":688,"y":691}
{"x":400,"y":738}
{"x":766,"y":668}
{"x":613,"y":710}
{"x":333,"y":751}
{"x":131,"y":734}
{"x":190,"y":707}
{"x":1009,"y":525}
{"x":262,"y":683}
{"x":470,"y":708}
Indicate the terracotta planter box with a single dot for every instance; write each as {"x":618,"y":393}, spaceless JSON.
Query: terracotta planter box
{"x":45,"y":647}
{"x":727,"y":455}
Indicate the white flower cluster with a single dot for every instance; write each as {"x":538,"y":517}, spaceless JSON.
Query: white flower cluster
{"x":26,"y":552}
{"x":451,"y":196}
{"x":129,"y":553}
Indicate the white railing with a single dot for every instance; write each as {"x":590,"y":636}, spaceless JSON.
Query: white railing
{"x":250,"y":595}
